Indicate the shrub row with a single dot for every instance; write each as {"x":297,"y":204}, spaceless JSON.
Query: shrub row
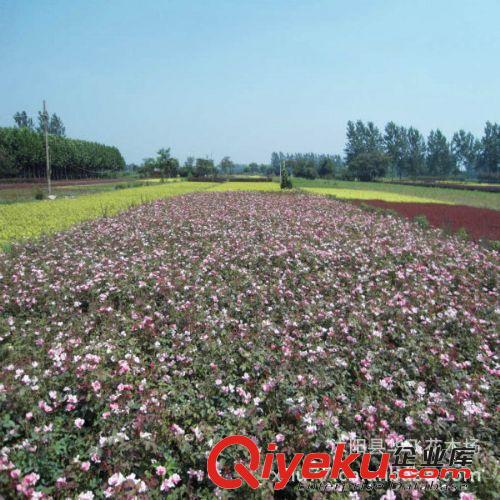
{"x":230,"y":179}
{"x":450,"y":185}
{"x":22,"y":154}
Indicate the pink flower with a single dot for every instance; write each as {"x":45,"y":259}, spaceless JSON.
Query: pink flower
{"x":85,"y":466}
{"x":387,"y":383}
{"x":170,"y":483}
{"x":116,"y":479}
{"x":45,"y":407}
{"x":160,"y":470}
{"x":61,"y":481}
{"x":279,"y":438}
{"x":177,"y":430}
{"x":389,"y":495}
{"x":14,"y":474}
{"x":30,"y":479}
{"x":124,"y":366}
{"x":79,"y":422}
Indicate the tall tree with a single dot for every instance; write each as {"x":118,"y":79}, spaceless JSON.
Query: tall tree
{"x":362,"y":138}
{"x":204,"y":167}
{"x":415,"y":162}
{"x":465,"y":148}
{"x":226,"y":165}
{"x":23,"y":120}
{"x":489,"y":157}
{"x":43,"y":119}
{"x":252,"y":168}
{"x":440,"y":160}
{"x":396,"y":147}
{"x":167,"y":166}
{"x":276,"y":159}
{"x":364,"y":150}
{"x":56,"y":126}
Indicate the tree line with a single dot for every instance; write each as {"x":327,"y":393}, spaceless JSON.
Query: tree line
{"x":404,"y":152}
{"x":163,"y":165}
{"x":22,"y":151}
{"x":401,"y":152}
{"x":22,"y":154}
{"x":308,"y":165}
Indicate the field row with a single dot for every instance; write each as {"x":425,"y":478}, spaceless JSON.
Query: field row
{"x":31,"y":219}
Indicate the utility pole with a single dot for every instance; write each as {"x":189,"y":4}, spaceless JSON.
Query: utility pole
{"x":46,"y":123}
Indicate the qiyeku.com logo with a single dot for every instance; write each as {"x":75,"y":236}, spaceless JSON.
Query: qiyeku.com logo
{"x":315,"y":466}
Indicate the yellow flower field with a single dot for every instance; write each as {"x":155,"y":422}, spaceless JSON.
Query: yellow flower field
{"x":246,"y":186}
{"x":362,"y":194}
{"x":32,"y":219}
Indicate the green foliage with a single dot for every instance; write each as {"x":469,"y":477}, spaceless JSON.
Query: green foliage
{"x":440,"y":159}
{"x":226,"y":166}
{"x":365,"y":154}
{"x":494,"y":245}
{"x":38,"y":193}
{"x":422,"y":221}
{"x":462,"y":233}
{"x":7,"y":165}
{"x":396,"y":147}
{"x":408,"y":154}
{"x":23,"y":153}
{"x":204,"y":168}
{"x":466,"y":149}
{"x":54,"y":124}
{"x":489,"y":157}
{"x":286,"y":182}
{"x":23,"y":120}
{"x":368,"y":166}
{"x":361,"y":139}
{"x":307,"y":166}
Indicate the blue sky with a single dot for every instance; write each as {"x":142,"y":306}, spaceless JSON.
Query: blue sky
{"x":245,"y":78}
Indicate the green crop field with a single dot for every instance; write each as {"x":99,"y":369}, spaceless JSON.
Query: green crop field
{"x":400,"y":193}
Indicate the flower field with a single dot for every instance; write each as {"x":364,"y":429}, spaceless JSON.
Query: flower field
{"x":32,"y":219}
{"x":131,"y":344}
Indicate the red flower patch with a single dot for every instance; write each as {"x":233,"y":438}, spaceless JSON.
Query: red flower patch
{"x":479,"y":222}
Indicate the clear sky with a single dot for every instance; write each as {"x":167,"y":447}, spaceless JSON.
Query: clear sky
{"x":244,"y":78}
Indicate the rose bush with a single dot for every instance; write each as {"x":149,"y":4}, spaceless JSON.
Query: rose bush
{"x":131,"y":344}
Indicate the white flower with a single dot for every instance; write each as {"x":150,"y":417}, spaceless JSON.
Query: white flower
{"x":87,"y":495}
